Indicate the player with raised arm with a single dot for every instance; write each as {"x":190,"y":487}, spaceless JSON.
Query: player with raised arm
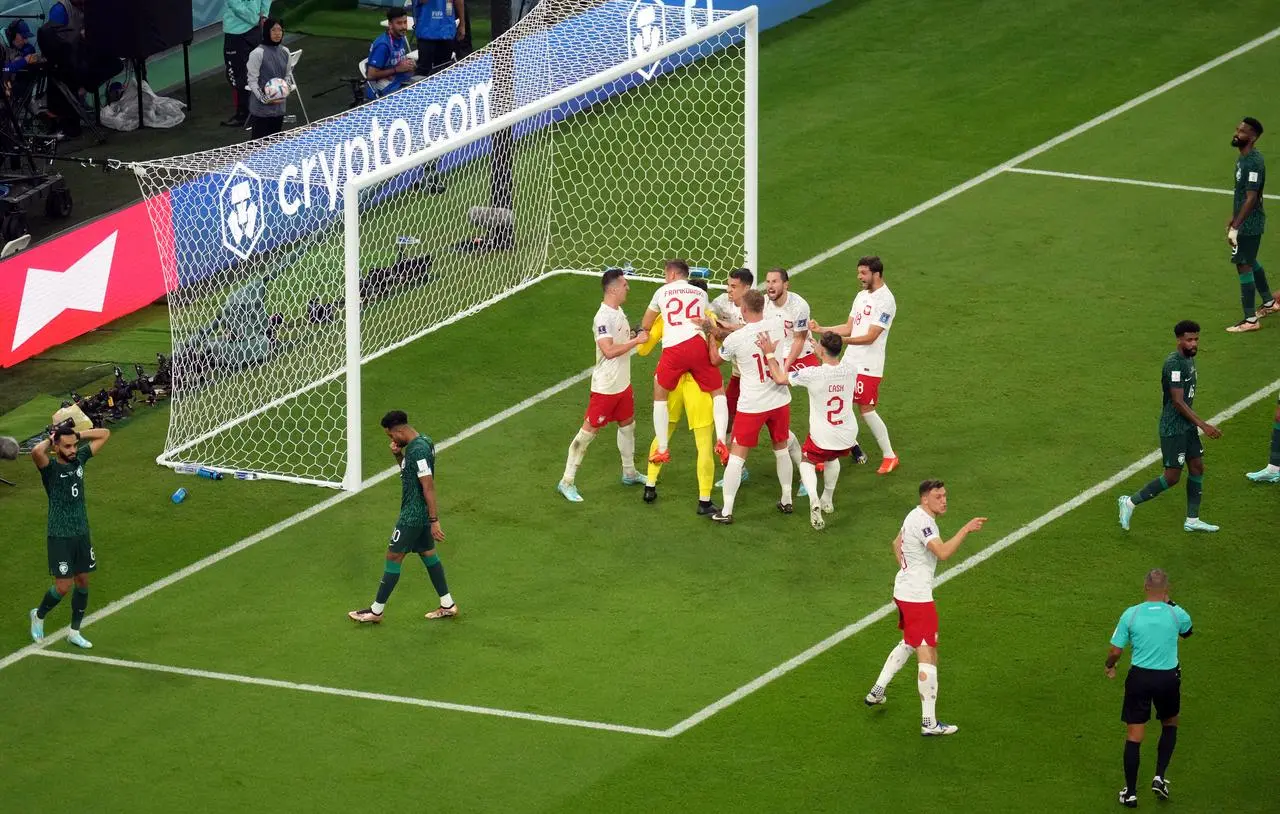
{"x":684,"y":350}
{"x":918,"y":548}
{"x":1179,"y":432}
{"x":727,"y":310}
{"x":70,"y":551}
{"x":418,"y":526}
{"x":763,"y":403}
{"x":833,"y":427}
{"x":689,"y":400}
{"x":867,"y":330}
{"x":612,"y":399}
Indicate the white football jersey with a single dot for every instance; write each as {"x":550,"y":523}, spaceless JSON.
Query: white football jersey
{"x":872,"y":308}
{"x":610,"y":375}
{"x":917,"y":563}
{"x":725,"y":311}
{"x":832,"y":422}
{"x":682,"y":307}
{"x":760,"y":393}
{"x":794,"y":313}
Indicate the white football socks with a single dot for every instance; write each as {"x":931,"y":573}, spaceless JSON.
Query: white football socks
{"x":627,"y":447}
{"x":660,"y":424}
{"x":881,"y":433}
{"x":577,"y":450}
{"x":732,"y":480}
{"x":830,"y":474}
{"x":785,"y":472}
{"x":809,"y":477}
{"x":720,"y":415}
{"x":898,"y":658}
{"x":928,"y":684}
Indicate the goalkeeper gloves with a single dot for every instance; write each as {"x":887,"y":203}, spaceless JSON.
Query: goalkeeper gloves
{"x":1232,"y":234}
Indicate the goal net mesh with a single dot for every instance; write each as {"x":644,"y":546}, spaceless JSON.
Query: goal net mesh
{"x":627,"y":170}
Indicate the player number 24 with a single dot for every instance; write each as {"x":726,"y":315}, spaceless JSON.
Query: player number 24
{"x":691,"y":310}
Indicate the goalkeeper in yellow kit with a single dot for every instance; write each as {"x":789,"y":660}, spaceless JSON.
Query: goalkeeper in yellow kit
{"x":687,"y":398}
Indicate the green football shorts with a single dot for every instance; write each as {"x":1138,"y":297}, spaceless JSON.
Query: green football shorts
{"x":1178,"y":449}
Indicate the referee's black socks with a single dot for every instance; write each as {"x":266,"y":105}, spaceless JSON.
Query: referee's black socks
{"x":1164,"y":750}
{"x":1132,"y":753}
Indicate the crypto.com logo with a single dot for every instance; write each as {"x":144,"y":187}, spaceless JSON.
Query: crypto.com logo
{"x":240,"y":206}
{"x":647,"y":31}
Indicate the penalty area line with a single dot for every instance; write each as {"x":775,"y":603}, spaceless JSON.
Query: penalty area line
{"x":306,"y":514}
{"x":951,"y":573}
{"x":346,"y":693}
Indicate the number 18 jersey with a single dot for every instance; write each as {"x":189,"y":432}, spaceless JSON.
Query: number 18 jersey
{"x":682,"y":307}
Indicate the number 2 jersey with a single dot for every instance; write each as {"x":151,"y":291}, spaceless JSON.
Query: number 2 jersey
{"x":832,"y":422}
{"x":682,"y":307}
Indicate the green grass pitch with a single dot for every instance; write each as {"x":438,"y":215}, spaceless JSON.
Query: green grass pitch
{"x":1034,"y":313}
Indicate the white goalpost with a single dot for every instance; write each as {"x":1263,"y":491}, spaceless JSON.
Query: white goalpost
{"x":593,"y":134}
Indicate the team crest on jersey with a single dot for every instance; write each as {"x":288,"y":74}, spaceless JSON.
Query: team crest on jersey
{"x":62,"y":568}
{"x":1182,"y":458}
{"x":79,"y":471}
{"x":866,"y":309}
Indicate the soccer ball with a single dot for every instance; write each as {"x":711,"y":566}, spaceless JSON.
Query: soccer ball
{"x":276,"y":89}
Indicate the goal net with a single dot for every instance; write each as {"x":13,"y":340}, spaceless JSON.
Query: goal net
{"x":592,"y":134}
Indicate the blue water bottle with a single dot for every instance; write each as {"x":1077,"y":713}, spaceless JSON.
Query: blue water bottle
{"x":206,"y":472}
{"x":700,"y":272}
{"x":179,"y":496}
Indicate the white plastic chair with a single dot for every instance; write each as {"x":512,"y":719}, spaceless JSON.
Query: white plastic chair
{"x":294,"y":56}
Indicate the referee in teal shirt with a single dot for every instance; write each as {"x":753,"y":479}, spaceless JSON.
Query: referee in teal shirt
{"x":1152,"y":630}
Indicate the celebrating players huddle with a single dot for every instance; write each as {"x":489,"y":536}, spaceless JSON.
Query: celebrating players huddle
{"x":767,"y":337}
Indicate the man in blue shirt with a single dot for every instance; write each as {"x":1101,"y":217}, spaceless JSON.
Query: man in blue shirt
{"x":241,"y":33}
{"x":389,"y":67}
{"x":1152,"y":630}
{"x":439,"y":26}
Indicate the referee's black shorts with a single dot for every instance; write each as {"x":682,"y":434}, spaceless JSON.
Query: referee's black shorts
{"x":1143,"y":687}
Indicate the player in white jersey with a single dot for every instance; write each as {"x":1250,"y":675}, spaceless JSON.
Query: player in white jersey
{"x":918,"y":547}
{"x":867,"y":330}
{"x":612,"y":399}
{"x":763,"y":402}
{"x":833,"y":427}
{"x":683,"y":307}
{"x":727,"y":309}
{"x":783,"y":303}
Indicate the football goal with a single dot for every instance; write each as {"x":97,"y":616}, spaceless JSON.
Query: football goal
{"x":592,"y":134}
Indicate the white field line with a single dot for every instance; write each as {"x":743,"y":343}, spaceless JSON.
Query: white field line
{"x":344,"y":693}
{"x":288,"y":522}
{"x":826,"y":644}
{"x":951,"y":573}
{"x":1108,"y":179}
{"x":1033,"y":152}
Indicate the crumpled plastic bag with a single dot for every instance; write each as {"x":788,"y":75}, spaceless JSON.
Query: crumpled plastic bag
{"x":157,"y":111}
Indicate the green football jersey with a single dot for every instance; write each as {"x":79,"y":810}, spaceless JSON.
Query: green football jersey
{"x":64,"y":483}
{"x":1179,"y":371}
{"x":419,"y":460}
{"x":1251,"y":173}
